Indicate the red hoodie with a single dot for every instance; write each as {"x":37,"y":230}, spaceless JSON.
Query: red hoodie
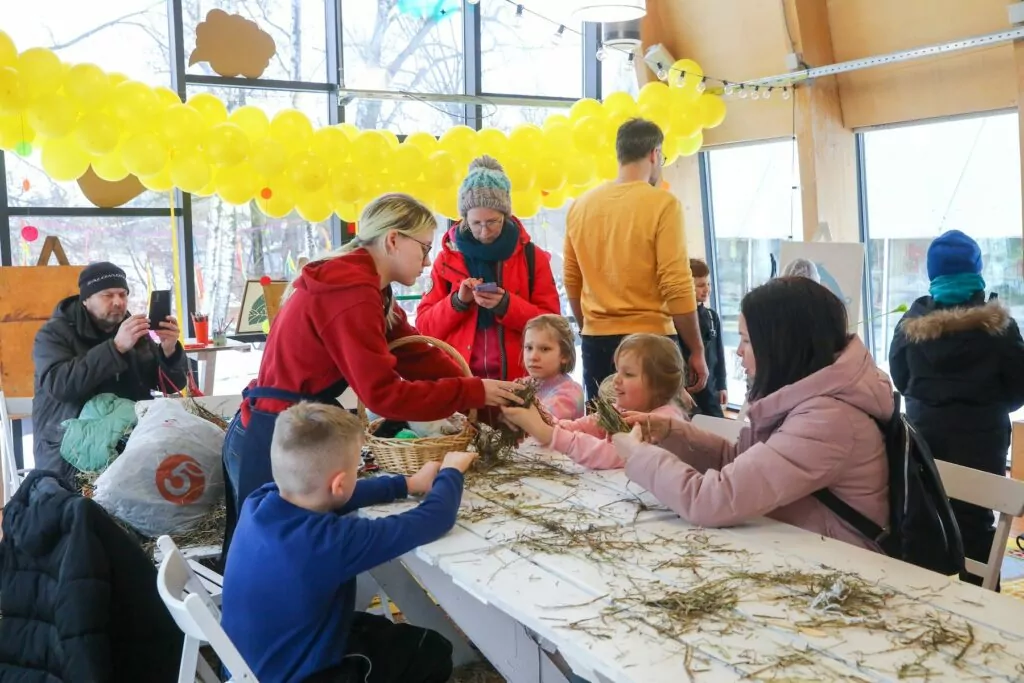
{"x":332,"y":331}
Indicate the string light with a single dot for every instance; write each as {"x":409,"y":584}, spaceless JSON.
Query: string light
{"x":767,"y":93}
{"x":729,"y":90}
{"x":519,"y":15}
{"x":743,"y":93}
{"x":702,"y":86}
{"x":662,"y":74}
{"x":559,"y":34}
{"x":785,"y":93}
{"x":756,"y":95}
{"x":630,"y":63}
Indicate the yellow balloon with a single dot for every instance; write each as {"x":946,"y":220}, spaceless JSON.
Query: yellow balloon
{"x":620,"y":103}
{"x":97,"y":133}
{"x":390,"y":137}
{"x":40,"y":71}
{"x":331,"y":144}
{"x":116,"y":78}
{"x":210,"y":188}
{"x":607,"y":166}
{"x":159,"y":182}
{"x":226,"y":145}
{"x":556,"y":120}
{"x":447,"y":204}
{"x":347,"y":211}
{"x":143,"y":154}
{"x":87,"y":85}
{"x":494,"y":142}
{"x":711,"y":110}
{"x":690,"y":146}
{"x":525,"y":203}
{"x":237,"y":184}
{"x":10,"y":131}
{"x":110,"y":167}
{"x":581,"y":109}
{"x":189,"y":171}
{"x":441,"y":170}
{"x":314,"y":207}
{"x":521,"y":173}
{"x":345,"y":184}
{"x":658,"y":113}
{"x":268,"y":157}
{"x":8,"y":51}
{"x":574,"y":191}
{"x":166,"y":96}
{"x":527,"y":141}
{"x":349,"y":130}
{"x":135,"y":104}
{"x":425,"y":141}
{"x":13,"y":97}
{"x":282,"y":199}
{"x":553,"y":200}
{"x":181,"y":126}
{"x":292,"y":129}
{"x":654,"y":93}
{"x":63,"y":160}
{"x":408,"y":161}
{"x":53,"y":116}
{"x":460,"y":141}
{"x":551,"y":173}
{"x":685,"y":124}
{"x":212,"y":109}
{"x":589,"y":134}
{"x":252,"y":120}
{"x":580,"y":169}
{"x":686,"y":74}
{"x":558,"y":137}
{"x":308,"y":173}
{"x":614,"y":121}
{"x":670,"y":149}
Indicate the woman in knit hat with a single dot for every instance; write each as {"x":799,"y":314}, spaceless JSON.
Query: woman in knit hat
{"x":959,"y":360}
{"x":489,"y":279}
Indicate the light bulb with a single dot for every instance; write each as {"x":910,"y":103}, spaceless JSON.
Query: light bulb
{"x":728,"y":90}
{"x":602,"y":53}
{"x":519,"y":15}
{"x":701,"y":87}
{"x":662,"y":74}
{"x":557,"y":38}
{"x":743,"y":93}
{"x":767,"y":93}
{"x":756,"y":95}
{"x":785,"y":93}
{"x":627,"y":66}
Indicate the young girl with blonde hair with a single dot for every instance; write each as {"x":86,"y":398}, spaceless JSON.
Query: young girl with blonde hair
{"x":549,"y":355}
{"x":649,"y":375}
{"x":333,"y":332}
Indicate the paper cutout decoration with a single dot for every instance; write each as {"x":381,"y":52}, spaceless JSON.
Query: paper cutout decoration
{"x":106,"y":194}
{"x":232,"y":45}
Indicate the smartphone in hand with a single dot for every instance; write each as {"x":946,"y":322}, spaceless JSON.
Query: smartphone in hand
{"x":159,"y":307}
{"x":491,"y":287}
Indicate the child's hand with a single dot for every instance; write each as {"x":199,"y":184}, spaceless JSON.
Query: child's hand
{"x":421,"y":482}
{"x":460,"y":460}
{"x":530,"y":421}
{"x":626,"y":445}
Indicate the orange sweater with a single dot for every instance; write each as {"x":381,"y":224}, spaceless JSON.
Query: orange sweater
{"x":625,"y":259}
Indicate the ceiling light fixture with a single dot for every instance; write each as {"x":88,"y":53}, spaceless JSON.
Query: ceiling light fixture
{"x":602,"y":11}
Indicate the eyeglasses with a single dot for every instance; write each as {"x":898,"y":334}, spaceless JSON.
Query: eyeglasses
{"x":490,"y":225}
{"x":425,"y":246}
{"x":661,"y":157}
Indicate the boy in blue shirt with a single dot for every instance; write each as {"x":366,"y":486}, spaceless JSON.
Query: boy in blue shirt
{"x":290,"y":581}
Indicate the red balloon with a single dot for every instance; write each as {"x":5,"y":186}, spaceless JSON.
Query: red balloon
{"x":266,"y":193}
{"x":30,"y":233}
{"x":265,"y":280}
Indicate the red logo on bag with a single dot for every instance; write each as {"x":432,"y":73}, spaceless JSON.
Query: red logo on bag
{"x":180,"y":479}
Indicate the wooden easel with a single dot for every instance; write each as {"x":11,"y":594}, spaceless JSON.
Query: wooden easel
{"x":52,"y":247}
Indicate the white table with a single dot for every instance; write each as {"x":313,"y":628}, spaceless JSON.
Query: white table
{"x":207,"y":358}
{"x":536,"y":613}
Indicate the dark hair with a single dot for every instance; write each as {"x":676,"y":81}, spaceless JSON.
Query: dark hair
{"x":796,"y":328}
{"x":636,"y":139}
{"x":699,"y":268}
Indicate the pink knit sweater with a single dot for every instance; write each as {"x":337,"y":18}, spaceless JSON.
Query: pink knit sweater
{"x":586,"y":443}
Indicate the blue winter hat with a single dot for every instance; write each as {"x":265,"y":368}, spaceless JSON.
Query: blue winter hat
{"x":485,"y":186}
{"x":953,"y":253}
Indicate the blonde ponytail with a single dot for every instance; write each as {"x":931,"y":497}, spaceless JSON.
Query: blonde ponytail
{"x":390,"y":212}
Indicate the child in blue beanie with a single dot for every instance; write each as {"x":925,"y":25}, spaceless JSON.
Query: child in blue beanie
{"x":959,"y":361}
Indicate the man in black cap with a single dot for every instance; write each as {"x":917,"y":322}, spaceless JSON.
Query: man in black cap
{"x":92,"y":346}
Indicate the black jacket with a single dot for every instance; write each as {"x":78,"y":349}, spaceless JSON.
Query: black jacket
{"x":714,"y":350}
{"x":962,"y":371}
{"x":79,"y":595}
{"x":75,"y":361}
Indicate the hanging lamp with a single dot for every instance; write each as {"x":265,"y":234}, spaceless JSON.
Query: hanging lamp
{"x":602,"y":11}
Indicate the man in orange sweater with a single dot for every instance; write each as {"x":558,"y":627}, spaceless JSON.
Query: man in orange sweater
{"x":626,"y":266}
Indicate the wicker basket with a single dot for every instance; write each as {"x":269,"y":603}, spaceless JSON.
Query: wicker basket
{"x":407,"y":456}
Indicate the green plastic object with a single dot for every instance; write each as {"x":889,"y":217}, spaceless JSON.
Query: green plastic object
{"x":407,"y":434}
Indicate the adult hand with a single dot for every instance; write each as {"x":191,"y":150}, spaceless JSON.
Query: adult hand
{"x":132,"y":329}
{"x":699,"y":368}
{"x":466,"y":289}
{"x":626,"y":445}
{"x":459,"y":460}
{"x":656,"y":428}
{"x":530,"y":421}
{"x":500,"y":393}
{"x":421,"y":482}
{"x":723,"y":398}
{"x":488,"y":299}
{"x":169,"y":334}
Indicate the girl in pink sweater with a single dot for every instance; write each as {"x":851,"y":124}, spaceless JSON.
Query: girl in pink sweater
{"x":815,"y":397}
{"x":549,"y":355}
{"x":648,"y":378}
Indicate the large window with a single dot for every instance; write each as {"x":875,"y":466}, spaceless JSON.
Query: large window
{"x":522,"y":54}
{"x":755,"y":206}
{"x":926,"y":179}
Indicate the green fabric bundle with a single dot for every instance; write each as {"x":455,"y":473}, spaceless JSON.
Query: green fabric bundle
{"x":90,"y":440}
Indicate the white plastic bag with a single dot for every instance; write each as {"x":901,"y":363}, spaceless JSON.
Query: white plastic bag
{"x":169,"y":474}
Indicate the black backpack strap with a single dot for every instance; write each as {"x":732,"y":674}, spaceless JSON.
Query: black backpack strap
{"x":530,"y":252}
{"x":865,"y":526}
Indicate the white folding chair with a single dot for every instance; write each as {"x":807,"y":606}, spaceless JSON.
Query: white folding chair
{"x":1001,"y":494}
{"x":198,"y":618}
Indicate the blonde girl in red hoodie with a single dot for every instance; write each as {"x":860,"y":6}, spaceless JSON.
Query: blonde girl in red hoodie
{"x":649,"y":374}
{"x":333,"y":332}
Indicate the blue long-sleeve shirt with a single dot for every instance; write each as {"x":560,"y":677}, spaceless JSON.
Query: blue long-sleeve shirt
{"x":290,"y":580}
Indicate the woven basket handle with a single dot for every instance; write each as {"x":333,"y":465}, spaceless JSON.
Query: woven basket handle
{"x":422,"y":339}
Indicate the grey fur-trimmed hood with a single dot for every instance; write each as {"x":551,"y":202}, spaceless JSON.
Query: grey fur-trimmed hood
{"x":992,"y":318}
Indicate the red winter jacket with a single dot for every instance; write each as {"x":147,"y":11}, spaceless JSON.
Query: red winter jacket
{"x":332,"y":331}
{"x":435,"y":316}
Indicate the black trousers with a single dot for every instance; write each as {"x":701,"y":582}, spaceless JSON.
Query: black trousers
{"x":598,"y":360}
{"x":382,"y":652}
{"x":707,"y":401}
